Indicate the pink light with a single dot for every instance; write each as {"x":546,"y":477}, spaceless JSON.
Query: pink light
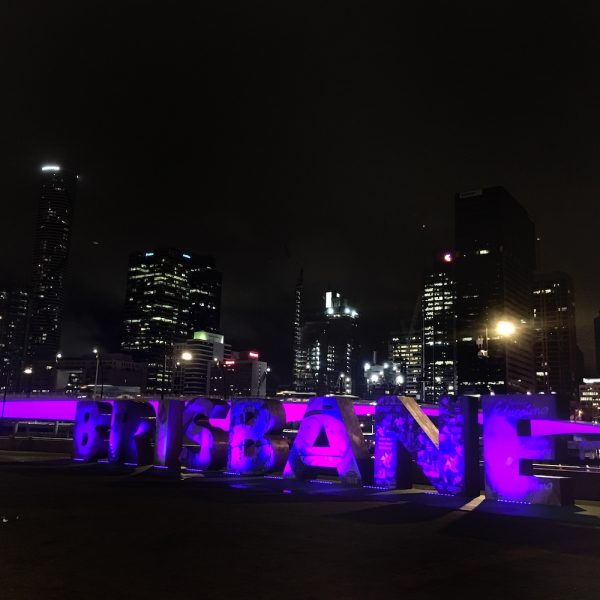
{"x":57,"y":409}
{"x":253,"y":354}
{"x":541,"y":427}
{"x":230,"y":362}
{"x":448,"y":257}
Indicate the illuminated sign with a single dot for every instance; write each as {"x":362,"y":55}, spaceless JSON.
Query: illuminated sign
{"x":248,"y":439}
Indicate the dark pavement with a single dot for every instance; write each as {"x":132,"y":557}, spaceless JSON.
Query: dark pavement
{"x":69,"y":530}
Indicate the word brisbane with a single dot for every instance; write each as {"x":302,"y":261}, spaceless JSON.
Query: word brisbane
{"x":246,"y":437}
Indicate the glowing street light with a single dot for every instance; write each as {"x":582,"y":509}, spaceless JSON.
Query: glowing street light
{"x":505,"y":328}
{"x":97,"y":355}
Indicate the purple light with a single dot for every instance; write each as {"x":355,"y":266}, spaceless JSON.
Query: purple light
{"x":329,"y":437}
{"x":541,"y":427}
{"x":447,"y":454}
{"x":64,"y":409}
{"x":508,"y":453}
{"x":256,"y":443}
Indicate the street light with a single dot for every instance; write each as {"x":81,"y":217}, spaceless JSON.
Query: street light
{"x":186,"y":356}
{"x":505,"y":328}
{"x":95,"y":351}
{"x":28,"y":371}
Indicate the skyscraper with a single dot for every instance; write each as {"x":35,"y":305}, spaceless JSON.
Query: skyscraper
{"x":13,"y":317}
{"x":439,"y":331}
{"x":597,"y":342}
{"x":406,"y":349}
{"x":555,"y":339}
{"x":205,"y":295}
{"x":495,"y":261}
{"x":51,"y":251}
{"x":298,"y":356}
{"x":328,"y":346}
{"x":170,"y":294}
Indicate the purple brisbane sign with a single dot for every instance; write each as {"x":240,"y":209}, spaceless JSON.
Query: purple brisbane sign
{"x":247,"y":437}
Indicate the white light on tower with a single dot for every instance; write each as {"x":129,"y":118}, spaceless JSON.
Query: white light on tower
{"x":50,"y":168}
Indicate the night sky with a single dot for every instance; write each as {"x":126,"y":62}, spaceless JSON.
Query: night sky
{"x":278,"y":135}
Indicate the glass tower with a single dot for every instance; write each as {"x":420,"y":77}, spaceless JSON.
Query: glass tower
{"x":170,"y":294}
{"x":51,"y":252}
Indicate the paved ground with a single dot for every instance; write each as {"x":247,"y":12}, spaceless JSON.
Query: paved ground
{"x":74,"y":531}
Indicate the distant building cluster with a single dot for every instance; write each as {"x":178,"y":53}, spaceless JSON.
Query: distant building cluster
{"x":485,"y":322}
{"x":170,"y":332}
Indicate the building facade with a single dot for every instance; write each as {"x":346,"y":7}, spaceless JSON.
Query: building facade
{"x":494,"y":266}
{"x":242,"y":374}
{"x":328,"y":347}
{"x":170,"y":294}
{"x":195,"y":360}
{"x":406,"y":349}
{"x":50,"y":256}
{"x":555,"y":338}
{"x":597,"y":342}
{"x":439,"y":331}
{"x":589,"y":399}
{"x":299,"y":360}
{"x":13,"y":319}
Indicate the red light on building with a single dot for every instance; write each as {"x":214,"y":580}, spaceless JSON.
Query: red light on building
{"x":230,"y":362}
{"x":253,"y":354}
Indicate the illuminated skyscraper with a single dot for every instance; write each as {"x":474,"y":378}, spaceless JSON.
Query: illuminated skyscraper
{"x":555,"y":339}
{"x":406,"y":350}
{"x":328,"y":346}
{"x":50,"y":255}
{"x":495,"y":261}
{"x":13,"y":317}
{"x":298,"y":355}
{"x":439,"y":331}
{"x":170,"y":294}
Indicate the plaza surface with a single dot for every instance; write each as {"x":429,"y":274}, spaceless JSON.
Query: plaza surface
{"x":70,"y":530}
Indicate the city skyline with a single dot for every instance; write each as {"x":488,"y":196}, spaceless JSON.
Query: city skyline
{"x":368,"y":341}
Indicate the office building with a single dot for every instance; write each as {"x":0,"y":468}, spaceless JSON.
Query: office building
{"x":589,"y":399}
{"x":328,"y":346}
{"x":242,"y":374}
{"x":494,"y":266}
{"x":406,"y":349}
{"x":195,"y":359}
{"x":13,"y":317}
{"x":597,"y":342}
{"x":50,"y":256}
{"x":170,"y":294}
{"x":205,"y":295}
{"x":299,"y":360}
{"x":439,"y":331}
{"x":555,"y":340}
